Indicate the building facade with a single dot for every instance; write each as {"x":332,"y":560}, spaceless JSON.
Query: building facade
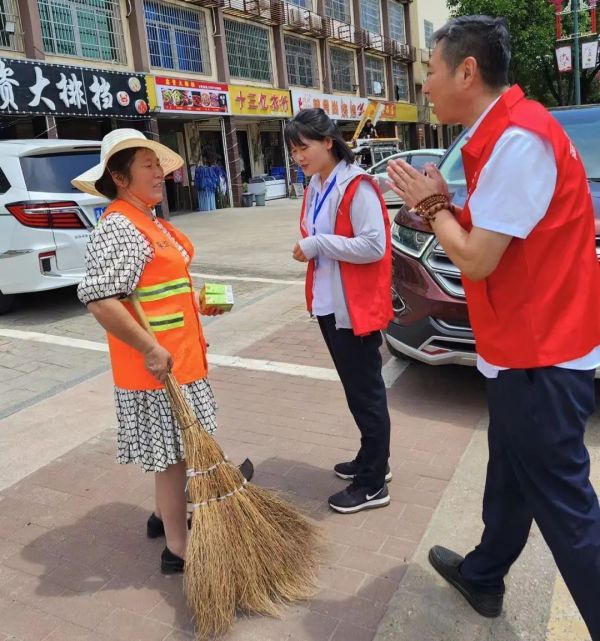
{"x":221,"y":76}
{"x":427,"y":16}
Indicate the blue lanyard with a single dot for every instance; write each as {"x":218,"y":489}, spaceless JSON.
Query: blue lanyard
{"x":319,"y":204}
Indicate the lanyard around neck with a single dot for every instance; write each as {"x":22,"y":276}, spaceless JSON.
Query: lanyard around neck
{"x":319,"y":203}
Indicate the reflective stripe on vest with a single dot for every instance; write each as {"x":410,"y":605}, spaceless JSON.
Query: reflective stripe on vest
{"x":164,"y":290}
{"x":166,"y":322}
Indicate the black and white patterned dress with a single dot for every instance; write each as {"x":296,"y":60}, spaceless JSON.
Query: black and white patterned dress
{"x":147,"y":432}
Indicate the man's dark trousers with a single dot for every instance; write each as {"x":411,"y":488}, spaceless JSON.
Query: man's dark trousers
{"x":539,"y":469}
{"x":358,"y":363}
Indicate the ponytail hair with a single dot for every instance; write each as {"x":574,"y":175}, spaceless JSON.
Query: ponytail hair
{"x":315,"y":124}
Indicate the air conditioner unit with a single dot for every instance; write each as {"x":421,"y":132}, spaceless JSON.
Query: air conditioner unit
{"x":296,"y":17}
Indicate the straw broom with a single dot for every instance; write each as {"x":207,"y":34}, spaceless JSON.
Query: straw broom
{"x":248,"y":550}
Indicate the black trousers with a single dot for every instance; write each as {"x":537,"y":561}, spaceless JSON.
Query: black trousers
{"x":539,"y":469}
{"x":358,"y":363}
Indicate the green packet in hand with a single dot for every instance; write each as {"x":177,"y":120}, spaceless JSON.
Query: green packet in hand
{"x":216,"y":296}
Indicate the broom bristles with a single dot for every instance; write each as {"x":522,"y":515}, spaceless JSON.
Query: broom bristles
{"x":248,"y":549}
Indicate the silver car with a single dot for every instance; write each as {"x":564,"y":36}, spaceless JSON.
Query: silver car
{"x":44,"y":221}
{"x":417,"y":158}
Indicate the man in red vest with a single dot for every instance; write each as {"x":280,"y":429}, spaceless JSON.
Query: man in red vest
{"x":524,"y":242}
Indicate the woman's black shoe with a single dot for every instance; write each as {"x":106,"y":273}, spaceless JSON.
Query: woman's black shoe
{"x":155,"y":528}
{"x":247,"y":469}
{"x":171,"y":563}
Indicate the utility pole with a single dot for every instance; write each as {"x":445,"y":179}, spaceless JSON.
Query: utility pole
{"x":577,"y":52}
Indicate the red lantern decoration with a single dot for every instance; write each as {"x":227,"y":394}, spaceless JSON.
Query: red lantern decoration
{"x":558,"y":4}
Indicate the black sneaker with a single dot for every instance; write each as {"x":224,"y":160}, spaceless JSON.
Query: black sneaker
{"x":171,"y":563}
{"x":355,"y":498}
{"x":347,"y":471}
{"x":447,"y":564}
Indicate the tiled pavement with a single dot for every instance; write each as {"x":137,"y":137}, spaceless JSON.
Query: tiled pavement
{"x":74,"y":563}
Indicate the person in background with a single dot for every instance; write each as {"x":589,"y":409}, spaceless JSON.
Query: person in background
{"x":132,"y":252}
{"x":346,"y":243}
{"x":369,"y":130}
{"x":524,"y":242}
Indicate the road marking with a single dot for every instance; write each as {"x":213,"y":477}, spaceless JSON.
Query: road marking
{"x":391,"y":371}
{"x":38,"y":337}
{"x":259,"y":365}
{"x":248,"y":279}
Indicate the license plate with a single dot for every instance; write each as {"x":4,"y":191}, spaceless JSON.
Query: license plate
{"x":98,"y":211}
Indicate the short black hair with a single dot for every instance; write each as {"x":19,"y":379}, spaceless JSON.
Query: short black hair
{"x":315,"y":124}
{"x":484,"y":38}
{"x":120,"y":163}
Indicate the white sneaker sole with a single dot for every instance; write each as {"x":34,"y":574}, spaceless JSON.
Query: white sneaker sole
{"x":367,"y":505}
{"x":350,"y":477}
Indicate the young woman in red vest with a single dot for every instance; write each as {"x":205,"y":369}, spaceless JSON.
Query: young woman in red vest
{"x":524,"y":242}
{"x":346,"y":242}
{"x":131,"y":251}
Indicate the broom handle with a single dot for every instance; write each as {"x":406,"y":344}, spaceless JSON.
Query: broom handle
{"x":141,"y":314}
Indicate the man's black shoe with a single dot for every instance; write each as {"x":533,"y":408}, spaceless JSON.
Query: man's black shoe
{"x":347,"y":471}
{"x":447,"y":564}
{"x":354,"y":499}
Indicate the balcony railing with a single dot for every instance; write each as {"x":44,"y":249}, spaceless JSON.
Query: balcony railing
{"x":401,"y":51}
{"x":11,"y":32}
{"x":304,"y":20}
{"x":342,"y":33}
{"x":267,"y":11}
{"x":208,"y":4}
{"x":372,"y":41}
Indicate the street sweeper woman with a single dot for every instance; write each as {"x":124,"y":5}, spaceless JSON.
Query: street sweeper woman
{"x":346,"y":242}
{"x":132,"y":252}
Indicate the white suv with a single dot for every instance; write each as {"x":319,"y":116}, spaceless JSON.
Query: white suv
{"x":44,"y":221}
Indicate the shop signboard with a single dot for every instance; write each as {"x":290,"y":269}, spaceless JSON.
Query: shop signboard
{"x":336,"y":107}
{"x":180,"y":96}
{"x":256,"y":101}
{"x":400,"y":112}
{"x":42,"y":89}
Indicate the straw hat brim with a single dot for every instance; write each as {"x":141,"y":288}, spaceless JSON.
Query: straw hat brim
{"x":169,"y":161}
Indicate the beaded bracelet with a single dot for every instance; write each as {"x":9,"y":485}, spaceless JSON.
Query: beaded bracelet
{"x":430,"y":206}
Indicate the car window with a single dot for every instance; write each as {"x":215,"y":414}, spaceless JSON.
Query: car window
{"x":4,"y":183}
{"x":418,"y":161}
{"x":381,"y":166}
{"x":582,"y":127}
{"x":53,"y":172}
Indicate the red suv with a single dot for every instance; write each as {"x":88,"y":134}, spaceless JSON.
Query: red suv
{"x":431,"y":323}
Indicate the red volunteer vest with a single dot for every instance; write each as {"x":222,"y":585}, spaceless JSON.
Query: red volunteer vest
{"x":368,"y":287}
{"x":541,"y":305}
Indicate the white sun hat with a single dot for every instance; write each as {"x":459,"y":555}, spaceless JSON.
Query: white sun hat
{"x":116,"y":141}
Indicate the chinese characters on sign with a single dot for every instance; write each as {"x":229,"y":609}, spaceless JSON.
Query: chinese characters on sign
{"x":37,"y":88}
{"x":337,"y":107}
{"x":175,"y":94}
{"x":254,"y":101}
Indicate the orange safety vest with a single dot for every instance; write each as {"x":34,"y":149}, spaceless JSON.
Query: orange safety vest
{"x":367,"y":286}
{"x":167,"y":297}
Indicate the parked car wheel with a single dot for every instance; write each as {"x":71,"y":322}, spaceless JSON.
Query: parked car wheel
{"x":6,"y":302}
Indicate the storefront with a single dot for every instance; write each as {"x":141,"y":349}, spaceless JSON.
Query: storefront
{"x":190,"y":121}
{"x":44,"y":100}
{"x":260,"y":116}
{"x":398,"y":120}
